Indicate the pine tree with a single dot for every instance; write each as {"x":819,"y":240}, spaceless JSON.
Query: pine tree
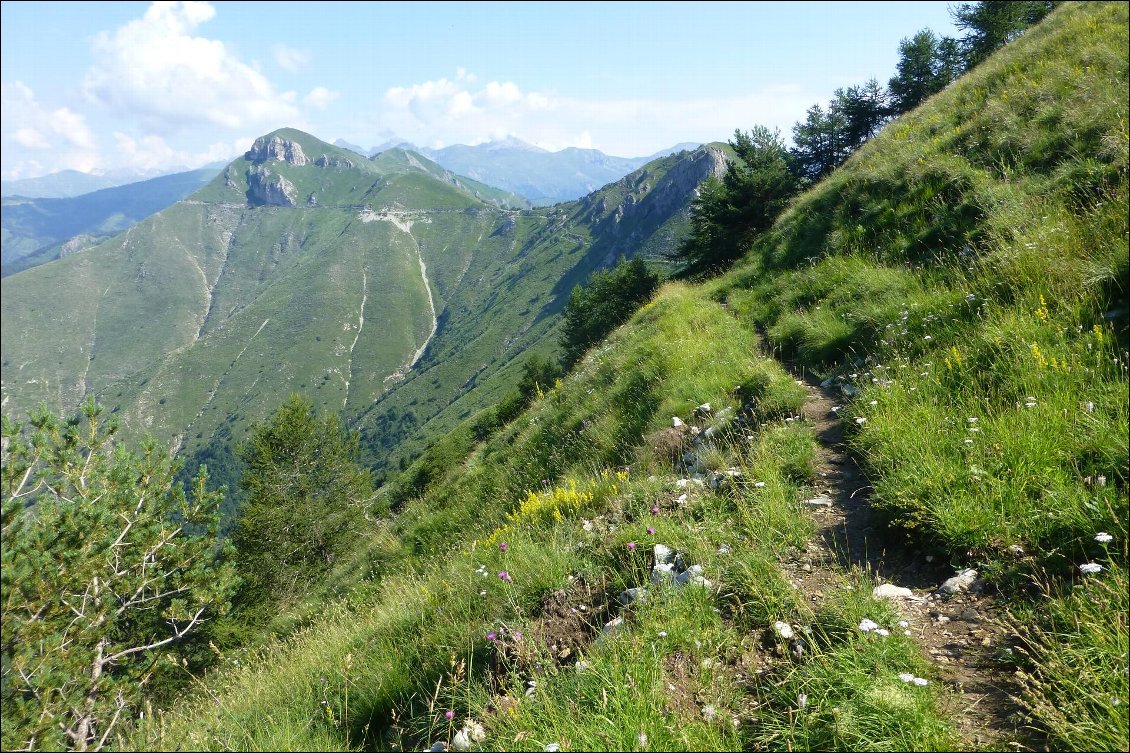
{"x":306,"y":500}
{"x":107,"y":567}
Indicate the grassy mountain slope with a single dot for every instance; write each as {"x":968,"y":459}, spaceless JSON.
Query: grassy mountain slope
{"x":963,"y":279}
{"x":36,"y":231}
{"x":303,"y":267}
{"x":493,"y":314}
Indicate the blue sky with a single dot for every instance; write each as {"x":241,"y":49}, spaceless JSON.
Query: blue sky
{"x":103,"y":86}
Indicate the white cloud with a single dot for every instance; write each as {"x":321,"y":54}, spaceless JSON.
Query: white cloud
{"x":60,"y":136}
{"x":320,"y":97}
{"x":154,"y":70}
{"x":461,"y":111}
{"x":154,"y":153}
{"x":31,"y":138}
{"x":291,"y":59}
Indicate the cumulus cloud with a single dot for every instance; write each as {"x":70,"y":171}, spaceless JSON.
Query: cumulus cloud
{"x":291,"y":59}
{"x":60,"y":135}
{"x":155,"y":70}
{"x":460,"y":110}
{"x":151,"y":152}
{"x":320,"y":97}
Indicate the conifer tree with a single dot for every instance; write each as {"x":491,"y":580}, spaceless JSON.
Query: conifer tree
{"x":306,"y":500}
{"x":107,"y":567}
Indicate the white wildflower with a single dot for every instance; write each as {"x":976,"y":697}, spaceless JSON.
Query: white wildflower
{"x":802,"y":700}
{"x":1103,"y":538}
{"x":882,"y":631}
{"x":1090,"y":568}
{"x":867,"y":625}
{"x":861,"y":420}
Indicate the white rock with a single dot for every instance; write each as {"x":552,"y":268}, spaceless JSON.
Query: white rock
{"x":552,"y":748}
{"x":663,"y":553}
{"x":819,"y":502}
{"x":613,"y":625}
{"x":891,"y":591}
{"x":676,"y":422}
{"x":461,"y":741}
{"x":663,"y":573}
{"x":963,"y":581}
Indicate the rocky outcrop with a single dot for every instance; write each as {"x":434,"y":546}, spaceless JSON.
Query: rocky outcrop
{"x":276,"y":147}
{"x":78,"y":243}
{"x":265,"y":188}
{"x":334,"y":161}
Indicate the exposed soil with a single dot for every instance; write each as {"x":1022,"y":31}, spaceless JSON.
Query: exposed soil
{"x":960,"y":634}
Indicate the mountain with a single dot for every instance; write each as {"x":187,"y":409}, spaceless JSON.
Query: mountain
{"x":909,"y":533}
{"x":36,"y":231}
{"x":67,"y":183}
{"x":541,"y":176}
{"x":303,"y":267}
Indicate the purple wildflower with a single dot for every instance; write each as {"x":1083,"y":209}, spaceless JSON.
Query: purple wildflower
{"x":650,"y":531}
{"x":502,"y":546}
{"x":632,"y":546}
{"x":491,"y":636}
{"x":505,"y":576}
{"x":449,"y":714}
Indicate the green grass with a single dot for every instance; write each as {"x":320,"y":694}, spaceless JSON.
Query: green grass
{"x":691,"y":668}
{"x":966,"y":273}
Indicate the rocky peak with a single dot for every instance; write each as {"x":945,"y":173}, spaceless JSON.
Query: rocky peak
{"x":265,"y":188}
{"x":276,"y":147}
{"x":334,"y":161}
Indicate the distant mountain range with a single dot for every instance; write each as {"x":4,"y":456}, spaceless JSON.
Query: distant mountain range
{"x":68,"y":183}
{"x":541,"y":176}
{"x":388,"y":289}
{"x":36,"y":231}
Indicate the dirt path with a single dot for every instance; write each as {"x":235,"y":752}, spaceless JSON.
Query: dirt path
{"x":960,"y":633}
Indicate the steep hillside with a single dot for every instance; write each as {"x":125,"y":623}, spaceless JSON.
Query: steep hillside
{"x":305,"y":268}
{"x":499,"y":312}
{"x":673,"y":549}
{"x":36,"y":231}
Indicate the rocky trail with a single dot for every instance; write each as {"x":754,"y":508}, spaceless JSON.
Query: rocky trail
{"x":959,"y":626}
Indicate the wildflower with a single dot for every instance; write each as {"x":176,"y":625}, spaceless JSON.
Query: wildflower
{"x":971,"y":420}
{"x":1103,"y":538}
{"x":662,"y":633}
{"x":474,"y":730}
{"x":491,"y":636}
{"x":867,"y":625}
{"x":502,"y":547}
{"x":802,"y":700}
{"x":655,"y":510}
{"x":1090,"y":568}
{"x":968,"y":441}
{"x":903,"y":624}
{"x":504,"y":576}
{"x":449,"y":714}
{"x":650,"y":531}
{"x":632,"y":546}
{"x":882,"y":631}
{"x":873,"y":402}
{"x":759,"y":484}
{"x":920,"y":682}
{"x":861,"y":420}
{"x":517,"y":635}
{"x":906,"y":677}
